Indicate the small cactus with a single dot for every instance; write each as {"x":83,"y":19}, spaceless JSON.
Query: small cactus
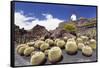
{"x":61,"y":43}
{"x":92,"y":43}
{"x":33,"y":53}
{"x":79,"y":40}
{"x":46,"y":52}
{"x":56,"y":40}
{"x":38,"y":43}
{"x":49,"y":41}
{"x":21,"y":45}
{"x":87,"y":50}
{"x":84,"y":38}
{"x":44,"y":46}
{"x":30,"y":43}
{"x":71,"y":39}
{"x":71,"y":47}
{"x":54,"y":54}
{"x":65,"y":38}
{"x":37,"y":58}
{"x":80,"y":46}
{"x":28,"y":51}
{"x":21,"y":50}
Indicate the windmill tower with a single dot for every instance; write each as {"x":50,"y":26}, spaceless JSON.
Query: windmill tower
{"x":73,"y":17}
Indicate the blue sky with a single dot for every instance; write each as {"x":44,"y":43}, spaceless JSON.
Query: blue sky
{"x":60,"y":11}
{"x":28,"y":14}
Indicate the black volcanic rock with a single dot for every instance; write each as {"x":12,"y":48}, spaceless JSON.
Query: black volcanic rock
{"x":35,"y":33}
{"x":39,"y":31}
{"x":19,"y":34}
{"x":60,"y":33}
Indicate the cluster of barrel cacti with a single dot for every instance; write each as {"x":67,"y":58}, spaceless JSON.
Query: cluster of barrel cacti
{"x":51,"y":49}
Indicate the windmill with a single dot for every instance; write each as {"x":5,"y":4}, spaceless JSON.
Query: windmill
{"x":74,"y":16}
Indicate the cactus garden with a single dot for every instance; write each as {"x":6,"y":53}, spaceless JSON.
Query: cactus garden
{"x":71,"y":40}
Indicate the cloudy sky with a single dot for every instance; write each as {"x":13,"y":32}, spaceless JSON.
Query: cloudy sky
{"x":27,"y":15}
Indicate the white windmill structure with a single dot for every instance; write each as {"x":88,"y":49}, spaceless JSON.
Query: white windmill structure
{"x":73,"y":17}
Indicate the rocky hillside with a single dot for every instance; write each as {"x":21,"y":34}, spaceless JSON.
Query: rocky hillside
{"x":35,"y":33}
{"x":81,"y":22}
{"x":69,"y":29}
{"x":60,"y":33}
{"x":39,"y":31}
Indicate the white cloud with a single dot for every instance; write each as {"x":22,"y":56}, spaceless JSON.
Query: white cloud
{"x":48,"y":16}
{"x":50,"y":23}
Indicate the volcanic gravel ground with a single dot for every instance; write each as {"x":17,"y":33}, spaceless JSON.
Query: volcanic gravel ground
{"x":24,"y":61}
